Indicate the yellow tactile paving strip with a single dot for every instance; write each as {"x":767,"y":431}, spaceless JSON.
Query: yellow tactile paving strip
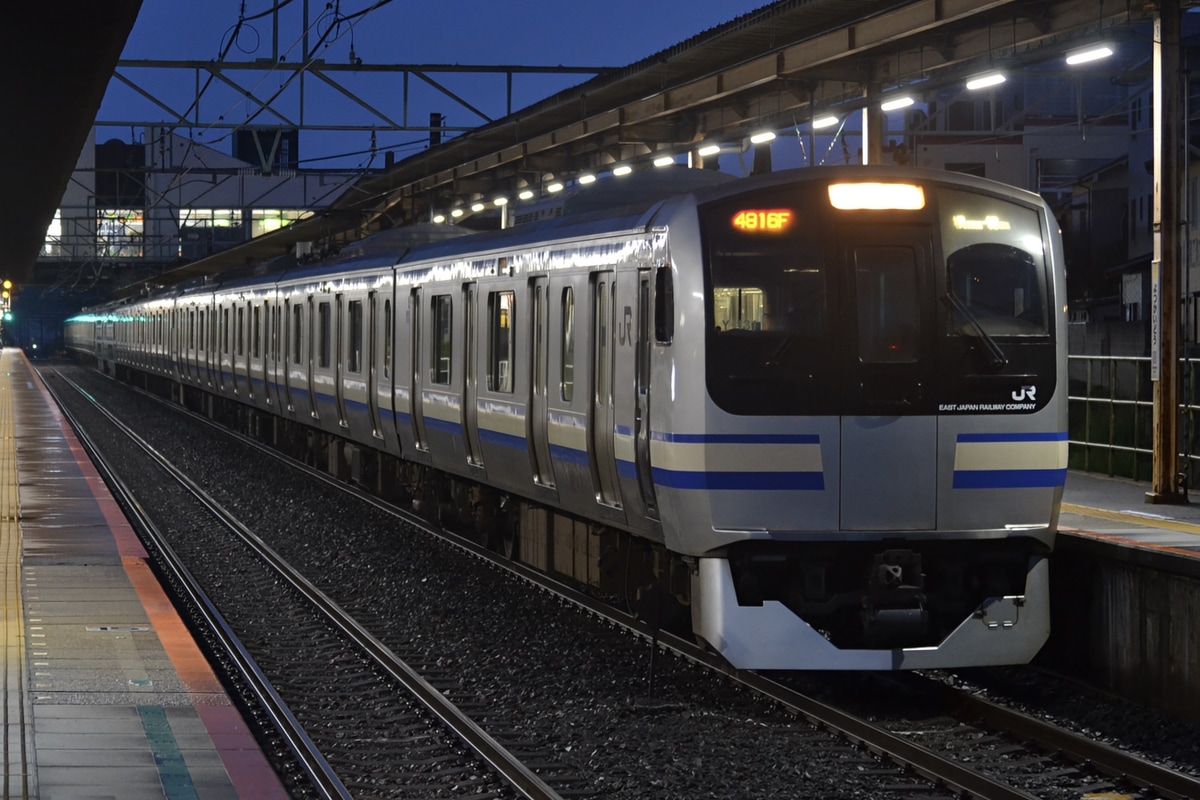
{"x":19,"y":776}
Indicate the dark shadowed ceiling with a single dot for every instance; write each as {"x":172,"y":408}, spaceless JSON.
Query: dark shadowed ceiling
{"x":56,"y":61}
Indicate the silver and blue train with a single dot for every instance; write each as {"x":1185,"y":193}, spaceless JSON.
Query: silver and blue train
{"x":821,"y":413}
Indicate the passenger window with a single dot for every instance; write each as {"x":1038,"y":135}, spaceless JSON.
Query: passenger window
{"x":500,"y":341}
{"x":567,"y":368}
{"x":325,"y":334}
{"x":440,"y":357}
{"x":354,"y":357}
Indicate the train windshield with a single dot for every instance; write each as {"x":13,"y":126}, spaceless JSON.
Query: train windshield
{"x":815,"y":309}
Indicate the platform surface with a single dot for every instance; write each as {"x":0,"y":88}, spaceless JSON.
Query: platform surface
{"x":106,"y":694}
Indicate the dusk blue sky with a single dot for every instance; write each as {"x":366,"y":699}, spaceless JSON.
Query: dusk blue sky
{"x":466,"y":32}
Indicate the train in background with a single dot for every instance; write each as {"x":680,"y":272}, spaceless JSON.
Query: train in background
{"x":819,"y":413}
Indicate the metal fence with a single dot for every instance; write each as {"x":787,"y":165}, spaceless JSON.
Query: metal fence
{"x":1112,"y":416}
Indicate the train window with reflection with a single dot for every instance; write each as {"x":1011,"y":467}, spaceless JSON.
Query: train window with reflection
{"x":768,"y":348}
{"x":354,"y":342}
{"x":441,"y":341}
{"x":501,"y":341}
{"x":324,"y":334}
{"x":995,"y":266}
{"x":888,"y":306}
{"x":567,"y":368}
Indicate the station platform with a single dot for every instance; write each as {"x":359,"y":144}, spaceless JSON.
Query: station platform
{"x":1115,"y":510}
{"x":106,"y":694}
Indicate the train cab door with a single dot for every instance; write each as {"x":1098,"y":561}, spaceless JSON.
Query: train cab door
{"x":537,"y":418}
{"x":470,"y":408}
{"x":418,"y":385}
{"x":641,"y":382}
{"x":889,"y":433}
{"x":602,"y":422}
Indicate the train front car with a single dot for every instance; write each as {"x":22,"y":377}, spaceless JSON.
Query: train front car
{"x":882,"y":449}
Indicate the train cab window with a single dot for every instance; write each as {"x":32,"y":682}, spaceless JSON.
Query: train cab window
{"x":888,"y":305}
{"x":324,"y":334}
{"x":354,"y":342}
{"x":501,"y":341}
{"x":1000,"y":286}
{"x":567,"y":367}
{"x":995,"y":266}
{"x":664,"y":306}
{"x":440,"y":342}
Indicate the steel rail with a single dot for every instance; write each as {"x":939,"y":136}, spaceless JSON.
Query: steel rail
{"x":510,"y":768}
{"x":324,"y":780}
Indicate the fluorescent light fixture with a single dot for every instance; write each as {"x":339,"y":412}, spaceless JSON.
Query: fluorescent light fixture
{"x":500,"y":201}
{"x":708,"y":150}
{"x":624,"y":169}
{"x":456,"y":213}
{"x":554,"y":187}
{"x":477,"y":207}
{"x":895,"y":103}
{"x":586,"y":178}
{"x":824,"y":122}
{"x":873,"y":196}
{"x":439,"y":219}
{"x":1091,"y":54}
{"x":526,"y":194}
{"x":984,"y":81}
{"x":664,"y":161}
{"x":762,"y":137}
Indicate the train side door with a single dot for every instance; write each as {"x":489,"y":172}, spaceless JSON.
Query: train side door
{"x":470,"y":409}
{"x":537,"y":418}
{"x":641,"y":411}
{"x":291,"y":350}
{"x":602,"y":422}
{"x":888,"y":436}
{"x":339,"y":356}
{"x":372,"y":366}
{"x":418,"y":385}
{"x":310,"y":358}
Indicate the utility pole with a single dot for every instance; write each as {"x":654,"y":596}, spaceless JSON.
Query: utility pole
{"x":1169,"y":167}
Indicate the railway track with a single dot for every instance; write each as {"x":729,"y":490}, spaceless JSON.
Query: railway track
{"x":978,"y":753}
{"x":353,"y":690}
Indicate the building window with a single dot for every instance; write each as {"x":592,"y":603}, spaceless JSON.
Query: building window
{"x":119,"y":232}
{"x":266,"y":220}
